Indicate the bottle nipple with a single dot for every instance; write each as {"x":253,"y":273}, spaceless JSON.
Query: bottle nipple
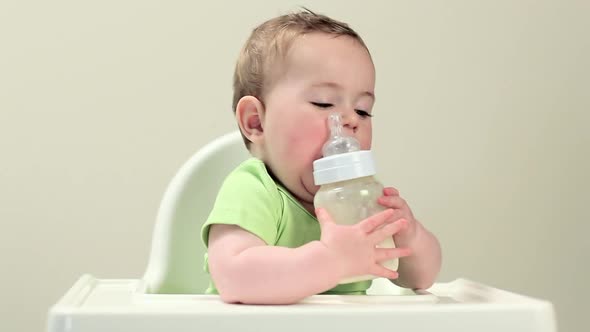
{"x":338,"y":142}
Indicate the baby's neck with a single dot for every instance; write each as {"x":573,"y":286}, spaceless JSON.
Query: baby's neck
{"x":308,"y":206}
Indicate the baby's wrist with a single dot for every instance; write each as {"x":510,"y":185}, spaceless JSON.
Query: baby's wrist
{"x":409,"y":236}
{"x":328,"y":262}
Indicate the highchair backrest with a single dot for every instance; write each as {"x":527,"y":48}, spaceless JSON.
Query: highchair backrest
{"x":176,"y":259}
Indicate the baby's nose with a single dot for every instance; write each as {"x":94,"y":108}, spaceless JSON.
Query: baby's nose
{"x":349,"y":130}
{"x":349,"y":123}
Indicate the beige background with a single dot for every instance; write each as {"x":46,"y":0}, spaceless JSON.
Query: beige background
{"x":482,"y":122}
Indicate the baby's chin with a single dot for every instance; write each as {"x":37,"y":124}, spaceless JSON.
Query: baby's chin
{"x":310,"y":188}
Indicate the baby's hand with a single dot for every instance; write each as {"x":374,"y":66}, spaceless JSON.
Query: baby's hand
{"x":354,"y":246}
{"x":391,"y":199}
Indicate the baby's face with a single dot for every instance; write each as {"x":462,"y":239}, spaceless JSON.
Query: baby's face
{"x":322,"y":74}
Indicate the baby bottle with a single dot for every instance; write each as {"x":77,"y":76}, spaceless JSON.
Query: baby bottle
{"x":348,"y":190}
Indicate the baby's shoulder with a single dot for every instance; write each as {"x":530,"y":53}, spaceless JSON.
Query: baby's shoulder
{"x":251,"y":177}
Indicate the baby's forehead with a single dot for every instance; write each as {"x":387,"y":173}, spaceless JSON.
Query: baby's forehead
{"x":321,"y":42}
{"x":325,"y":55}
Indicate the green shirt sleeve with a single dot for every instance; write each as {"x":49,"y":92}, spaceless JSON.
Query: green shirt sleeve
{"x":248,"y":198}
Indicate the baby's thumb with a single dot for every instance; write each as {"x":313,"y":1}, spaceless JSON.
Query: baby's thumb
{"x":323,"y":217}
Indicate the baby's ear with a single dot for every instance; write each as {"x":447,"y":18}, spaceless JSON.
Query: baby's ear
{"x":249,"y":114}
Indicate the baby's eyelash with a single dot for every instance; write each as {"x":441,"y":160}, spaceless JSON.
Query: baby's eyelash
{"x":361,"y":113}
{"x":322,"y":105}
{"x":364,"y":114}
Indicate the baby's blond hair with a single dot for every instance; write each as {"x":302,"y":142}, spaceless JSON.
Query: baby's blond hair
{"x":269,"y":42}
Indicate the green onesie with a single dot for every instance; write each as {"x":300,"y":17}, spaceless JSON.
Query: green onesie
{"x":252,"y":200}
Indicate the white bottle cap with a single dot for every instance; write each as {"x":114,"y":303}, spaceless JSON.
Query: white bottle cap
{"x":344,"y":166}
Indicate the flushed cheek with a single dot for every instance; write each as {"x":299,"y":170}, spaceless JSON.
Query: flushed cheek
{"x":307,"y":147}
{"x":317,"y":131}
{"x":309,"y":138}
{"x":366,"y":143}
{"x":313,"y":154}
{"x":366,"y":138}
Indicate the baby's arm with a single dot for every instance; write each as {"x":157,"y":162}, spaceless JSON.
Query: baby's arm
{"x":246,"y":270}
{"x":419,"y":271}
{"x":421,"y":268}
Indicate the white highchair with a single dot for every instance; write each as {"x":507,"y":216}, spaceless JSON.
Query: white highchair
{"x":169,"y":296}
{"x":176,"y":260}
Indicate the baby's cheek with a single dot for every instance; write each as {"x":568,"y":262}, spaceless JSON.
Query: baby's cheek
{"x":309,"y":137}
{"x":316,"y":133}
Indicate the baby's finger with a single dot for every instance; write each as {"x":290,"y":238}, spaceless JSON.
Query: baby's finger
{"x":390,"y":191}
{"x":370,"y":224}
{"x":380,"y":271}
{"x":394,"y":202}
{"x":388,"y":230}
{"x":386,"y":254}
{"x":323,"y":216}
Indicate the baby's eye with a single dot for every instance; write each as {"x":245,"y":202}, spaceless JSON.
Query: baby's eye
{"x":322,"y":105}
{"x":363,"y":114}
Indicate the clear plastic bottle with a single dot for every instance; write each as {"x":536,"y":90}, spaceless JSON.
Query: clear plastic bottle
{"x":348,"y":191}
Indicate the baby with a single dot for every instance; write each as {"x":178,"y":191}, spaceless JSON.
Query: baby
{"x":266,"y":242}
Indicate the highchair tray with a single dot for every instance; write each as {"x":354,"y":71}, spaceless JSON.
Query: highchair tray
{"x":93,"y":305}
